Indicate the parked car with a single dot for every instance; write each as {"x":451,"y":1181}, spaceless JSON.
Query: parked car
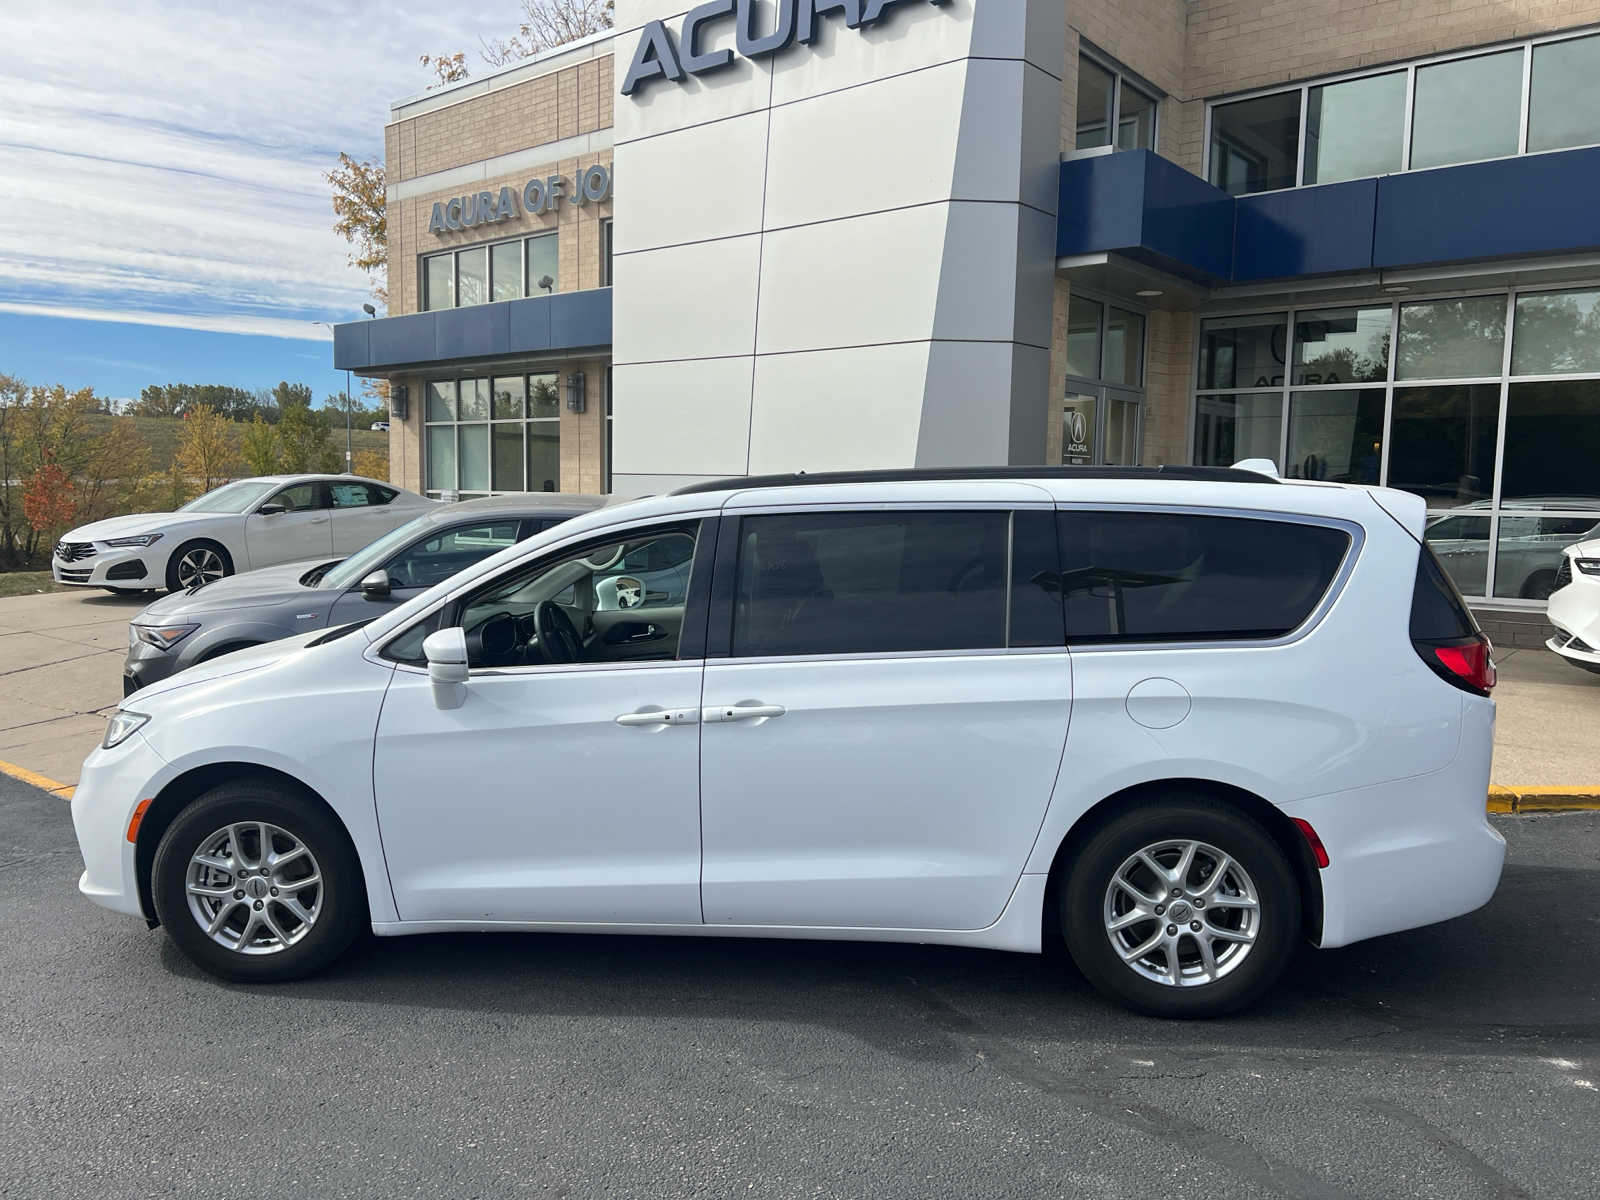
{"x":219,"y":618}
{"x":1575,"y":607}
{"x":1530,"y":543}
{"x":379,"y":427}
{"x":240,"y":526}
{"x":854,"y":723}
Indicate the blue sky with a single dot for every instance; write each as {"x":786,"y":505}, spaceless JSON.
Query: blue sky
{"x":162,"y":212}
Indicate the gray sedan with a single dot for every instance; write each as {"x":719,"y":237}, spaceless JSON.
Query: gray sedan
{"x":217,"y":618}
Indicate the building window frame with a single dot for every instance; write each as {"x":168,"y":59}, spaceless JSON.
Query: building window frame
{"x":1121,"y":77}
{"x":527,"y":422}
{"x":1528,"y":46}
{"x":605,"y":251}
{"x":1103,"y":391}
{"x":1494,"y":507}
{"x":530,"y":287}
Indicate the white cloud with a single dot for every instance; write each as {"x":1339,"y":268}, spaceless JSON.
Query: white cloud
{"x":161,"y":155}
{"x":278,"y":327}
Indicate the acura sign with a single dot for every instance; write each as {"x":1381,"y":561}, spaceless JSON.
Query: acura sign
{"x":695,"y":50}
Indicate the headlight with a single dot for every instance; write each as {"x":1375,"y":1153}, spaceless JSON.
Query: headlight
{"x":143,"y":539}
{"x":162,"y":637}
{"x":1589,"y":566}
{"x":122,"y":726}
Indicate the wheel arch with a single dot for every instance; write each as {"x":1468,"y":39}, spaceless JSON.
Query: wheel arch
{"x":184,"y":789}
{"x":1266,"y":814}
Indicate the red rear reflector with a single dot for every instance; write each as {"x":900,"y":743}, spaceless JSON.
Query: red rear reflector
{"x":1318,"y":850}
{"x":133,"y":822}
{"x":1472,"y":663}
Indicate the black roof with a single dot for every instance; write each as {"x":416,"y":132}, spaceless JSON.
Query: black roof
{"x":936,"y":474}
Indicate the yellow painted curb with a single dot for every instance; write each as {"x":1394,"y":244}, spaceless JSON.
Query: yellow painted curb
{"x":1543,"y":799}
{"x":37,"y":780}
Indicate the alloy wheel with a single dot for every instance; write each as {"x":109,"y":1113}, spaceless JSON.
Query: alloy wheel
{"x":254,"y":888}
{"x":201,"y":565}
{"x":1182,"y":913}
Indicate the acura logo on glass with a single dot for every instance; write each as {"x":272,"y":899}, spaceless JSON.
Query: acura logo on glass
{"x":1077,"y":427}
{"x":660,"y":56}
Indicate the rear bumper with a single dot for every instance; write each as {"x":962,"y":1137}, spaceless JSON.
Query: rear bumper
{"x":1412,"y":852}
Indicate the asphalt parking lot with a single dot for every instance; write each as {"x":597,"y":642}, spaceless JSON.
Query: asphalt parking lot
{"x":1457,"y":1061}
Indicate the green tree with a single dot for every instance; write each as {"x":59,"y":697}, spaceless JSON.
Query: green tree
{"x":306,"y":446}
{"x":204,"y":451}
{"x":260,"y":447}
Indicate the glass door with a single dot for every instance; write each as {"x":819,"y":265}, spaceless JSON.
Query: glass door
{"x":1123,"y":414}
{"x":1078,"y":429}
{"x":1100,"y":427}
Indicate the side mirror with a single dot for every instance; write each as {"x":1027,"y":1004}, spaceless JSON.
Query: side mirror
{"x":376,"y":585}
{"x":269,"y":510}
{"x":446,"y":652}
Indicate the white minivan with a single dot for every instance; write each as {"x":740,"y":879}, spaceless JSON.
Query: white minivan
{"x":1181,"y":718}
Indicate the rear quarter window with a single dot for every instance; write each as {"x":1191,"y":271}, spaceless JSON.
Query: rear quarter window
{"x":1166,"y":576}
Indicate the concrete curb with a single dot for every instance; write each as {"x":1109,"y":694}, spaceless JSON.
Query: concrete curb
{"x":1543,"y":799}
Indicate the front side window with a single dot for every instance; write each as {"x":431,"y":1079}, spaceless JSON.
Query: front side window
{"x":301,"y":497}
{"x":442,"y":555}
{"x":1162,"y":577}
{"x":877,"y":582}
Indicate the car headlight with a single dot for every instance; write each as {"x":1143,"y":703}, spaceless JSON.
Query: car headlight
{"x":1589,"y":566}
{"x":122,"y":726}
{"x":162,"y":637}
{"x":143,"y":539}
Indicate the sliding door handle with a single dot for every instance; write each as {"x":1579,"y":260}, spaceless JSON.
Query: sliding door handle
{"x":650,"y":718}
{"x":741,"y":712}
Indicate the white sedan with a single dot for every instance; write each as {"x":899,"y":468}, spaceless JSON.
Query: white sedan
{"x":241,"y":526}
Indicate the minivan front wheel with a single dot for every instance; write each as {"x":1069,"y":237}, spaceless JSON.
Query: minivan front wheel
{"x":257,"y":884}
{"x":1181,"y":908}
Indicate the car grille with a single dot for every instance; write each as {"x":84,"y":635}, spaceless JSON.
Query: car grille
{"x":81,"y":575}
{"x":1564,"y":572}
{"x":73,"y":551}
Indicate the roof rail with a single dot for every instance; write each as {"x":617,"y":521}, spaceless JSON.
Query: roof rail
{"x":937,"y":474}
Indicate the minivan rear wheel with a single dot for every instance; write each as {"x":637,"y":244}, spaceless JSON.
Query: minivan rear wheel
{"x":1183,"y":907}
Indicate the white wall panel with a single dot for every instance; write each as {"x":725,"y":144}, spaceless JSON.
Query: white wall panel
{"x":1033,"y":30}
{"x":702,"y":182}
{"x":696,"y":301}
{"x":910,"y":37}
{"x":661,"y":105}
{"x":966,"y":404}
{"x":694,"y":416}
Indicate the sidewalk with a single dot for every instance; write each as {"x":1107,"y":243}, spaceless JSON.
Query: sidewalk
{"x":61,"y":672}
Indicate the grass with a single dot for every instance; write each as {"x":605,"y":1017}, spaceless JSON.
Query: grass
{"x":160,"y":436}
{"x":27,"y":583}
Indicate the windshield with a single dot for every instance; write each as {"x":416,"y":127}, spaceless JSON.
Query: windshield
{"x":372,"y":556}
{"x":230,"y":497}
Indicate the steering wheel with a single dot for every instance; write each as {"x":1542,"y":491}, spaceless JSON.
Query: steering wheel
{"x":558,"y":637}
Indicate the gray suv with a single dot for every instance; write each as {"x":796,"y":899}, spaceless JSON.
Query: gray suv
{"x":217,"y":618}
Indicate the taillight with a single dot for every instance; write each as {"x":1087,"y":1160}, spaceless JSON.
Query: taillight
{"x":1466,"y":662}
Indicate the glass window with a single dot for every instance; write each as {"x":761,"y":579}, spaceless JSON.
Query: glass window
{"x":1356,"y":128}
{"x":1243,"y":352}
{"x":542,"y":261}
{"x":1552,"y":450}
{"x":509,"y":398}
{"x":1442,"y":443}
{"x":1452,"y":339}
{"x":1529,"y":552}
{"x":581,"y":608}
{"x":1083,"y":337}
{"x":544,"y":456}
{"x":1342,"y":345}
{"x":442,"y":401}
{"x":441,"y":457}
{"x":605,"y":252}
{"x":1230,"y":428}
{"x":1336,"y":434}
{"x":1136,"y":576}
{"x":301,"y":497}
{"x":351,"y":495}
{"x":1467,"y":109}
{"x":1078,"y":429}
{"x":544,"y":395}
{"x":873,"y":582}
{"x":1556,"y":332}
{"x":1095,"y":89}
{"x":472,"y":276}
{"x":506,"y":453}
{"x":1136,"y":119}
{"x":1564,"y":100}
{"x":1255,"y":143}
{"x":474,"y":458}
{"x":1037,"y":618}
{"x":433,"y":561}
{"x":505,"y":262}
{"x":474,"y":400}
{"x":1124,"y":348}
{"x":1437,"y":613}
{"x":438,"y":282}
{"x":1461,"y":544}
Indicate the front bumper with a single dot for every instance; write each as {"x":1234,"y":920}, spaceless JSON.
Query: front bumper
{"x":1411,"y":852}
{"x":127,"y":567}
{"x":109,"y":789}
{"x":144,"y":665}
{"x":1574,"y":611}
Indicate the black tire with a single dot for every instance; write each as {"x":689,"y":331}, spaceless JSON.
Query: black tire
{"x":196,"y":545}
{"x":1182,"y":817}
{"x":1539,"y":585}
{"x":219,"y":651}
{"x":342,"y":905}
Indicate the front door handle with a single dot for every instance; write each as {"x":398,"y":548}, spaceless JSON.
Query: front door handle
{"x":659,"y":716}
{"x":741,"y":712}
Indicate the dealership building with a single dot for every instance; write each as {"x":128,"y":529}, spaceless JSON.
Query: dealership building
{"x":1358,"y":238}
